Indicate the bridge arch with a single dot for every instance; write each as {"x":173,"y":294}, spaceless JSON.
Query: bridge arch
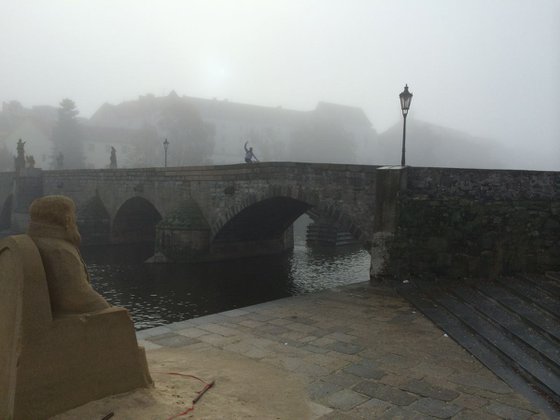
{"x":135,"y":222}
{"x":265,"y":219}
{"x":94,"y":221}
{"x":268,"y":215}
{"x":6,"y":212}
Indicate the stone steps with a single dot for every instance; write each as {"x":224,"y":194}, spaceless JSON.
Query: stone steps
{"x":512,"y":325}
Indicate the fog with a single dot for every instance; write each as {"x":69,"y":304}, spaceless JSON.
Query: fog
{"x":488,"y":68}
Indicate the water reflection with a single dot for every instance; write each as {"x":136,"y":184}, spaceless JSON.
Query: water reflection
{"x":160,"y":294}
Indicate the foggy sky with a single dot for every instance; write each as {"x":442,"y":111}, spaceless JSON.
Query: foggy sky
{"x":487,"y":67}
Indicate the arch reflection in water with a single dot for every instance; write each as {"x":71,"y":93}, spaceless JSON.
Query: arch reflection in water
{"x":163,"y":293}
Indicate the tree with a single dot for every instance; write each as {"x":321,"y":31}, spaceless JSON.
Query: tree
{"x":67,"y":137}
{"x":191,"y":140}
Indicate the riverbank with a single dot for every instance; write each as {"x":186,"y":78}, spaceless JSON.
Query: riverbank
{"x":353,"y":352}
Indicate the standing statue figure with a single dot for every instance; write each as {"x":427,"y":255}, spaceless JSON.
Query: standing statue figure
{"x":113,"y":163}
{"x":19,"y":160}
{"x":249,"y":155}
{"x":20,"y":148}
{"x":30,"y":161}
{"x":59,"y":161}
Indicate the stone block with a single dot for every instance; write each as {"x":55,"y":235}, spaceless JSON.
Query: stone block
{"x":346,"y":348}
{"x":484,"y":382}
{"x":172,"y":340}
{"x":385,"y":393}
{"x":345,"y":400}
{"x":400,"y":413}
{"x":343,"y":379}
{"x":435,"y":408}
{"x":365,"y":369}
{"x":507,"y":412}
{"x":426,"y":389}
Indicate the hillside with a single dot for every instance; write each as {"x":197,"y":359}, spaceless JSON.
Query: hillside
{"x":432,"y":145}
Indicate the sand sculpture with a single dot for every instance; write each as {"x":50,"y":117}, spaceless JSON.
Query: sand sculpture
{"x":61,"y":343}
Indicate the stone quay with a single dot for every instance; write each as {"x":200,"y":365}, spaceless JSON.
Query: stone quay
{"x":354,"y":352}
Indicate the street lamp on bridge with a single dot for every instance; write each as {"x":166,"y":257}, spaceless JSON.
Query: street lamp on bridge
{"x":165,"y":146}
{"x":405,"y":97}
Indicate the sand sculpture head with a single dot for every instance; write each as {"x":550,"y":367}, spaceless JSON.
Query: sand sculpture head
{"x":53,"y":229}
{"x":56,"y":211}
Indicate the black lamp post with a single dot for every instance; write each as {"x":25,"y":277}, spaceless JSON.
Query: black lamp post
{"x":165,"y":146}
{"x":405,"y":97}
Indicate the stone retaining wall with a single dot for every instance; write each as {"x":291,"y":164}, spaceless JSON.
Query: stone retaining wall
{"x":467,"y":222}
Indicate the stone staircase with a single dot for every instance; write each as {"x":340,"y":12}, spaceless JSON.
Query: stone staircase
{"x":512,"y":325}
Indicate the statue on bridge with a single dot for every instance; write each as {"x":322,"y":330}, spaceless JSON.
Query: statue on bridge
{"x":59,"y":162}
{"x":19,"y":160}
{"x":30,"y":161}
{"x":249,"y":155}
{"x":113,"y":159}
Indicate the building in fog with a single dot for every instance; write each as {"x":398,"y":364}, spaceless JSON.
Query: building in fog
{"x":199,"y":131}
{"x":269,"y":130}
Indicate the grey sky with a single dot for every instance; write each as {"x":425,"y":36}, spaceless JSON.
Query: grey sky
{"x":488,"y":67}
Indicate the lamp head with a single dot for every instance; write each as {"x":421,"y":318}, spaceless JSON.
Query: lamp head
{"x":405,"y":97}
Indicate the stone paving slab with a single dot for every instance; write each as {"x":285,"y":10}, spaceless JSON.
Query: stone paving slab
{"x":363,"y":352}
{"x":172,"y":340}
{"x":426,"y":389}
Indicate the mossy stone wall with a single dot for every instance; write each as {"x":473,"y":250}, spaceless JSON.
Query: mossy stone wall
{"x":475,"y":223}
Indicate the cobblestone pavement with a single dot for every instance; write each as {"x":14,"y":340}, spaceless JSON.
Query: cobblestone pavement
{"x":363,"y":352}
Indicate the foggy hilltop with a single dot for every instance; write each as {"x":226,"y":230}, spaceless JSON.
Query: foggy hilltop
{"x":212,"y":131}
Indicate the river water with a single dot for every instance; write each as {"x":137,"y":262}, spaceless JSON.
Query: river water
{"x":157,"y":294}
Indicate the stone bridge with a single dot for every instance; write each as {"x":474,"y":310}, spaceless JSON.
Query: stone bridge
{"x":205,"y":212}
{"x":429,"y":221}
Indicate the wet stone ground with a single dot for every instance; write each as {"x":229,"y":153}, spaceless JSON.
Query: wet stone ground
{"x":363,"y":352}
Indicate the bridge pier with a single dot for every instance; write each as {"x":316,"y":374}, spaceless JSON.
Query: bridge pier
{"x":242,"y":249}
{"x":28,"y":185}
{"x":189,"y":245}
{"x":184,"y":236}
{"x":175,"y":244}
{"x":391,"y":182}
{"x":323,"y":232}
